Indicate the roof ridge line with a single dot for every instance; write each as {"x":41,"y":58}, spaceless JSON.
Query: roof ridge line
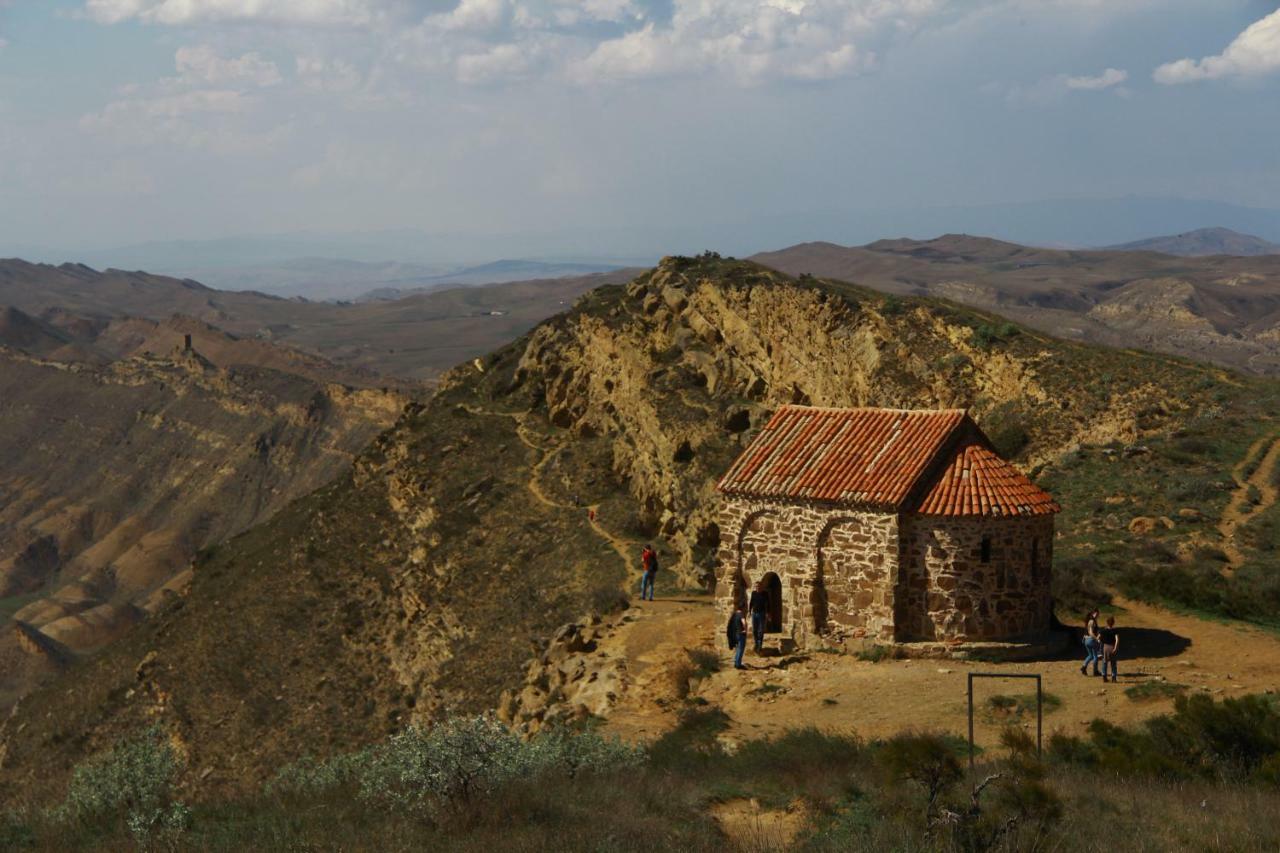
{"x":943,"y":450}
{"x":947,"y":411}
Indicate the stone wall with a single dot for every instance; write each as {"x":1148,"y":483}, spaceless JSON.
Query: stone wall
{"x":838,"y":567}
{"x":949,"y":592}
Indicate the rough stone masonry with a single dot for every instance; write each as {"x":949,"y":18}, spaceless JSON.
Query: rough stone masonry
{"x":895,"y":526}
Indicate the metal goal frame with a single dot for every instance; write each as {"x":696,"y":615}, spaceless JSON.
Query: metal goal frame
{"x":1039,"y":706}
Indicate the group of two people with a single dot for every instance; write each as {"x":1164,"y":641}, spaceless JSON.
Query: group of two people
{"x":1100,"y":645}
{"x":736,"y":631}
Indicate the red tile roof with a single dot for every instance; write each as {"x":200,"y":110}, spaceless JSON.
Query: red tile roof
{"x":976,"y":481}
{"x":883,"y":457}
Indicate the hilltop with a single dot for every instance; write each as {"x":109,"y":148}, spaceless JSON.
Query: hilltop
{"x":1201,"y":242}
{"x":424,"y":580}
{"x":1223,"y":309}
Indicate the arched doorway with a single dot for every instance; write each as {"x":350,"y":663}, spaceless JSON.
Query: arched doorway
{"x":773,"y":586}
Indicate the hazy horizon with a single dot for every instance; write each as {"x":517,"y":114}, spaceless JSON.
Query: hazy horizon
{"x":488,"y":129}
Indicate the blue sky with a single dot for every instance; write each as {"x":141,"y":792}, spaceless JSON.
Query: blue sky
{"x":126,"y":121}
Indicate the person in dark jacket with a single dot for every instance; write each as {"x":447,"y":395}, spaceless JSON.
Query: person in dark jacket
{"x":736,"y":632}
{"x":1110,"y":640}
{"x":759,"y":607}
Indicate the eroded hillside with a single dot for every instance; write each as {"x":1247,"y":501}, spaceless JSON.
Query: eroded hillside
{"x":426,"y":579}
{"x":115,"y":472}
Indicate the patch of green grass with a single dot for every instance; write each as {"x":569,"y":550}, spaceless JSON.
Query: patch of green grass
{"x":1153,"y":691}
{"x":1003,"y":707}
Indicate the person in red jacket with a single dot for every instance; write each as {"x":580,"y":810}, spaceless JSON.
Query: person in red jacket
{"x":649,"y":567}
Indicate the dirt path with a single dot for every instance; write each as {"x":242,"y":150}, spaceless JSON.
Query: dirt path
{"x":653,"y":641}
{"x":622,"y":547}
{"x":837,"y":691}
{"x":1235,"y":514}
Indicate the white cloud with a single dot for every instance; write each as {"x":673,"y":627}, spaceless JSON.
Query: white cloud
{"x":119,"y":113}
{"x":336,"y":76}
{"x":218,"y":121}
{"x":753,"y":40}
{"x":202,"y":64}
{"x":177,"y":12}
{"x":499,"y":62}
{"x":1254,"y":52}
{"x":480,"y":41}
{"x":1105,"y":80}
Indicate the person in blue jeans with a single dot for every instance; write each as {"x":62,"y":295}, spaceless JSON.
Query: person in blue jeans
{"x":1092,"y":644}
{"x":1110,"y":642}
{"x":759,"y":607}
{"x":736,"y":632}
{"x":649,"y":568}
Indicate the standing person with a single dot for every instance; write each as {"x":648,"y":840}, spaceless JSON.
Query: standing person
{"x":649,"y":568}
{"x":1092,"y":648}
{"x":1110,"y":646}
{"x":759,"y":607}
{"x":736,"y":632}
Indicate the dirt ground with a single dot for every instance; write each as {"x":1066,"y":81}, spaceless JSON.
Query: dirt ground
{"x":839,"y":692}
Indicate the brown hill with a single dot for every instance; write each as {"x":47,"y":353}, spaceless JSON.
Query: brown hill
{"x":1222,"y":309}
{"x":413,"y":338}
{"x":124,"y":454}
{"x":1203,"y":241}
{"x":424,"y":580}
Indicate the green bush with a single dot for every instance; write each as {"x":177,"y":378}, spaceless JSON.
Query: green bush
{"x":988,"y":334}
{"x":453,"y":764}
{"x":1235,"y":739}
{"x":1252,"y":593}
{"x":134,"y":782}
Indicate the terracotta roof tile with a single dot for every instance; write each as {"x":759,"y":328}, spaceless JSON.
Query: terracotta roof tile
{"x":977,"y":481}
{"x":880,"y":457}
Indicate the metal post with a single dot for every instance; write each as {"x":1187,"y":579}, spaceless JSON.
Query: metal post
{"x":1039,"y":719}
{"x":971,"y":721}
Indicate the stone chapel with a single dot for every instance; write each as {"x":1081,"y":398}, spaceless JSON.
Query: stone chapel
{"x":896,"y":525}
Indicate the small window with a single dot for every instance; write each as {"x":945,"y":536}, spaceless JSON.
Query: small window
{"x":986,"y":549}
{"x":1035,"y":556}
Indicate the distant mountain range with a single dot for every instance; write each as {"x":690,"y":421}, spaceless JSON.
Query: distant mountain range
{"x":1203,"y":241}
{"x":413,"y":338}
{"x":340,"y":279}
{"x":1217,"y":308}
{"x":1050,"y":222}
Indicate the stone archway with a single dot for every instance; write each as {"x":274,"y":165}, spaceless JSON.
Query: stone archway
{"x":830,"y":570}
{"x":774,"y":618}
{"x":747,"y":566}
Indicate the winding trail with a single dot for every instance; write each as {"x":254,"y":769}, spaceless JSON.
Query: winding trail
{"x":622,"y":547}
{"x":1235,"y":515}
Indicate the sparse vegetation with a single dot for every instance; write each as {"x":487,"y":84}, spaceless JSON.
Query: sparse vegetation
{"x":1152,"y":691}
{"x":876,"y":652}
{"x":1005,"y":708}
{"x":130,"y":785}
{"x":471,"y":785}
